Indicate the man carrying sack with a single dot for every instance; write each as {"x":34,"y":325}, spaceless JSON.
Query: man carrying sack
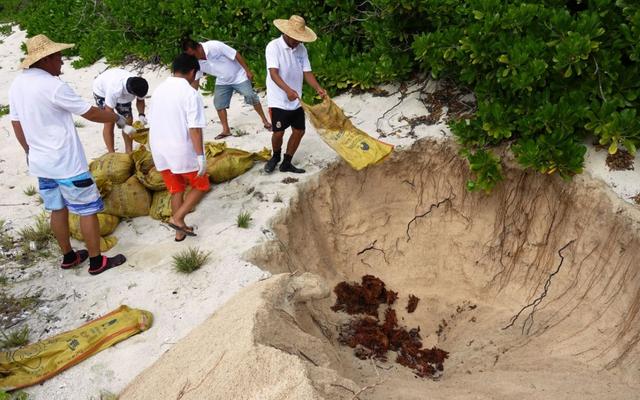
{"x":287,"y":66}
{"x":175,"y":137}
{"x":115,"y":89}
{"x":41,"y":111}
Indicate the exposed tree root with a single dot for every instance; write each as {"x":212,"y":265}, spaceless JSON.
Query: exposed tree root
{"x":528,"y":322}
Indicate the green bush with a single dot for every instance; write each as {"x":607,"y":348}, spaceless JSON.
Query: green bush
{"x":546,"y":75}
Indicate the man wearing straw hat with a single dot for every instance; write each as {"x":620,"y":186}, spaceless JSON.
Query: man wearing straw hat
{"x":287,"y":66}
{"x":41,"y":111}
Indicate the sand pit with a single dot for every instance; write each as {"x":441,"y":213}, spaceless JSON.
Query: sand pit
{"x":534,"y":290}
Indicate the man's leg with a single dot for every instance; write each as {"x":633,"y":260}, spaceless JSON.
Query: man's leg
{"x":226,"y":131}
{"x":276,"y":144}
{"x":221,"y":101}
{"x":60,"y":228}
{"x":292,"y":146}
{"x":107,"y":135}
{"x":191,"y":199}
{"x":251,"y":98}
{"x":90,"y":228}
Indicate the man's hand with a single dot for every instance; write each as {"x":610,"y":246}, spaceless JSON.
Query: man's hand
{"x":129,"y":130}
{"x":121,"y":122}
{"x":202,"y":164}
{"x":292,"y":95}
{"x":143,"y":118}
{"x":321,"y":92}
{"x":249,"y":75}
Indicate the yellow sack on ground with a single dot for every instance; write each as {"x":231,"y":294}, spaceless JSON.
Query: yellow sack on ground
{"x":113,"y":167}
{"x":107,"y":243}
{"x":108,"y":224}
{"x":224,"y":164}
{"x":129,"y":199}
{"x":40,"y":361}
{"x":353,"y":145}
{"x":146,"y":172}
{"x":160,"y":206}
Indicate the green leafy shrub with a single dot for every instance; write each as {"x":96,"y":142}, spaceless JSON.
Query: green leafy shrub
{"x":189,"y":260}
{"x":545,"y":74}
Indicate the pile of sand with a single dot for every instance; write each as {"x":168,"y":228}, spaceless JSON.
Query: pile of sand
{"x":534,"y":290}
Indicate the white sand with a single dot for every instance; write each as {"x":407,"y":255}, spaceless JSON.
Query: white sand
{"x":180,"y":303}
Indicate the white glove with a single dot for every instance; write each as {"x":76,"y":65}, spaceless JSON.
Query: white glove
{"x":143,"y":118}
{"x":129,"y":130}
{"x":121,"y":122}
{"x":202,"y":164}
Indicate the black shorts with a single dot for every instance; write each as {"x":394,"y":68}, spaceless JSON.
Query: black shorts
{"x":123,"y":109}
{"x":282,"y":119}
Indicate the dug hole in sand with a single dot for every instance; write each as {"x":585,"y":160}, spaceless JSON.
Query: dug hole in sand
{"x":534,"y":290}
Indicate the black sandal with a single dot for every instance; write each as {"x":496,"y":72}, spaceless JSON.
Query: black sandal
{"x":108,"y":263}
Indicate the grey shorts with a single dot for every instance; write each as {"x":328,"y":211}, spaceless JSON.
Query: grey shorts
{"x":123,"y":109}
{"x":223,"y":93}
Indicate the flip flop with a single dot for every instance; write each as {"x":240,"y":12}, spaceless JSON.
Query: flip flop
{"x":81,"y":256}
{"x":223,"y":135}
{"x":183,"y":229}
{"x":108,"y":263}
{"x":180,"y":240}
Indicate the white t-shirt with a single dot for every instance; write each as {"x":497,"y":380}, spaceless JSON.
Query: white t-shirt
{"x":44,"y":105}
{"x":291,"y":65}
{"x":112,"y":85}
{"x":221,"y":62}
{"x":175,"y":107}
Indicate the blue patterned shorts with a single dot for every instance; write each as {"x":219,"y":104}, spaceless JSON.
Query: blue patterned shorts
{"x":79,"y":194}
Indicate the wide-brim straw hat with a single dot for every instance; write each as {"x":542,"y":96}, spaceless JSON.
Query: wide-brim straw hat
{"x":40,"y":46}
{"x":296,"y":28}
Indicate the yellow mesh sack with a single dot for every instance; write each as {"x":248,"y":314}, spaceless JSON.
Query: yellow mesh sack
{"x":129,"y":199}
{"x":152,"y":180}
{"x":40,"y":361}
{"x":357,"y":148}
{"x":108,"y":224}
{"x":107,"y":243}
{"x":224,"y":164}
{"x":160,"y":206}
{"x":113,"y":167}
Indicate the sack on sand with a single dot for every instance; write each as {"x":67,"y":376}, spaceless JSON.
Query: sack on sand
{"x":356,"y":147}
{"x":107,"y":243}
{"x":129,"y":199}
{"x":146,"y":172}
{"x":224,"y":164}
{"x":40,"y":361}
{"x":161,"y":206}
{"x":113,"y":167}
{"x":108,"y":224}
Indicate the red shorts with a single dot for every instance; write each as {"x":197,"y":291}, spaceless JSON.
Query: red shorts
{"x":176,"y":183}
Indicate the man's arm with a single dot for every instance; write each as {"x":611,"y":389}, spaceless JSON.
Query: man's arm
{"x":310,"y":78}
{"x":96,"y":114}
{"x":244,"y":65}
{"x":275,"y":77}
{"x":196,"y":140}
{"x":17,"y":129}
{"x":140,"y":106}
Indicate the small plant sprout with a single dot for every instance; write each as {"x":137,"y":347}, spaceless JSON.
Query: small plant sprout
{"x":277,"y":198}
{"x":78,"y":124}
{"x":15,"y":338}
{"x":30,"y":191}
{"x":244,"y":219}
{"x":190,"y":260}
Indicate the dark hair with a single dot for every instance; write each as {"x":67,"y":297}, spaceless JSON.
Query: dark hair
{"x":185,"y":63}
{"x":189,"y":44}
{"x":137,"y":86}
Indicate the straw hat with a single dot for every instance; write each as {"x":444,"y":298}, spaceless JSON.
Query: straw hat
{"x":40,"y":46}
{"x":295,"y":28}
